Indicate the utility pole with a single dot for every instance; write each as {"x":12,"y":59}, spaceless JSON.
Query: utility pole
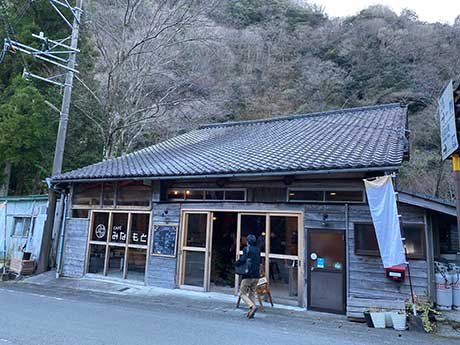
{"x":60,"y":140}
{"x":53,"y":52}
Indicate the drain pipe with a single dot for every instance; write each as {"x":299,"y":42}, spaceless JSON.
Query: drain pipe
{"x":61,"y":236}
{"x":4,"y":237}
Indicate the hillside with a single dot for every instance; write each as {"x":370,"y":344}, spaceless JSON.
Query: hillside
{"x":150,"y":69}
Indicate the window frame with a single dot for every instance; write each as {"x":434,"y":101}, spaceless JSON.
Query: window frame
{"x":108,"y":243}
{"x":102,"y":207}
{"x":23,"y":218}
{"x":376,"y":253}
{"x":204,"y":190}
{"x":324,"y":192}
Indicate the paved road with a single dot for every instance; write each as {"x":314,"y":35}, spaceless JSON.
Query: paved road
{"x":35,"y":315}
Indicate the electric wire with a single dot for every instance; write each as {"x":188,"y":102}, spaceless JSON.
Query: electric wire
{"x":9,"y":30}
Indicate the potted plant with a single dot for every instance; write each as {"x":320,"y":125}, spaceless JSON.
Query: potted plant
{"x":378,"y":318}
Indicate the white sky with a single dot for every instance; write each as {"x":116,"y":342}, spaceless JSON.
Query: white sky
{"x":444,"y":11}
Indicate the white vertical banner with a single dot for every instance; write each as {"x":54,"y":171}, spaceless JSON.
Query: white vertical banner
{"x":382,"y":204}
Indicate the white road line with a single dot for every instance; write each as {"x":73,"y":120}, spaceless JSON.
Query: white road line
{"x":33,"y":294}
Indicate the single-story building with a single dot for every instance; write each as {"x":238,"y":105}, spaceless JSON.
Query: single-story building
{"x":176,"y":214}
{"x":22,"y":219}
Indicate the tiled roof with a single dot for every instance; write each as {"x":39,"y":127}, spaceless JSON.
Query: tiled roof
{"x":366,"y":137}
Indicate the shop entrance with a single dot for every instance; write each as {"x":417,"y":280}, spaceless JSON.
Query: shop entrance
{"x":326,"y":268}
{"x":212,"y":241}
{"x":223,"y":254}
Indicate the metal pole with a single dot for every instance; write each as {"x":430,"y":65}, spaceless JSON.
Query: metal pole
{"x":456,"y":169}
{"x":60,"y":142}
{"x":4,"y":237}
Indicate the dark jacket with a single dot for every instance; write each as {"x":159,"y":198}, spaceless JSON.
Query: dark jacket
{"x":253,"y":253}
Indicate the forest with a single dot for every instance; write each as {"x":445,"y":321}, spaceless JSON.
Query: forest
{"x":150,"y":69}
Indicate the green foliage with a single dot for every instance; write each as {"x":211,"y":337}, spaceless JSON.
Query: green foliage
{"x":28,"y":125}
{"x":244,"y":13}
{"x":27,"y":131}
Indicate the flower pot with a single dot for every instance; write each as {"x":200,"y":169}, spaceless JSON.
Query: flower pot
{"x":378,"y":319}
{"x":399,"y":321}
{"x":388,"y":321}
{"x":367,"y":317}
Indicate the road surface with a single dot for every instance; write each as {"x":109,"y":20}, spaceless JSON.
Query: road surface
{"x":35,"y":315}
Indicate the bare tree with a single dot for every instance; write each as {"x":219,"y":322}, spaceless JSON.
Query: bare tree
{"x":144,"y":66}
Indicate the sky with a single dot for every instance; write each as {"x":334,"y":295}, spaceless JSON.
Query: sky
{"x":444,"y":11}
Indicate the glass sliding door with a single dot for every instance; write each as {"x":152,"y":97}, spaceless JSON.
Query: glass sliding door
{"x":283,"y":258}
{"x":195,"y":250}
{"x":279,"y":239}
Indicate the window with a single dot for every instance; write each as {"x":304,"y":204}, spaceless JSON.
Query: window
{"x":206,"y":194}
{"x":87,"y":194}
{"x":234,"y":195}
{"x":337,"y":196}
{"x":133,"y":193}
{"x":344,"y":196}
{"x":80,"y":213}
{"x":118,"y":244}
{"x":366,"y":240}
{"x":107,"y":194}
{"x":305,"y":195}
{"x":21,"y":226}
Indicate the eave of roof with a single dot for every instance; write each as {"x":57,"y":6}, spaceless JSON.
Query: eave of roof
{"x":428,"y":202}
{"x":240,"y":175}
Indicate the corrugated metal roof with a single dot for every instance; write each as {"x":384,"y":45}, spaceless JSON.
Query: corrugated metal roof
{"x":366,"y":137}
{"x":24,"y":197}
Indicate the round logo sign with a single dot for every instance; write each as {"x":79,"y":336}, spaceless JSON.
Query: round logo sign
{"x":100,"y":231}
{"x":313,"y":256}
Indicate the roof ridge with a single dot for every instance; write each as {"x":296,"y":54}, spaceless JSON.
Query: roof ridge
{"x":299,"y":116}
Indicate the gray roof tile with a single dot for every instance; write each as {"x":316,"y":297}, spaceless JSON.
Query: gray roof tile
{"x":348,"y":138}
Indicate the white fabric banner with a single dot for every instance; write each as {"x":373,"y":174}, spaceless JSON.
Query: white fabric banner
{"x":384,"y":212}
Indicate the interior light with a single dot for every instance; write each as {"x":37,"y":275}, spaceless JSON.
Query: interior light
{"x":176,"y":192}
{"x":332,"y":193}
{"x":187,"y":192}
{"x":291,"y":194}
{"x":214,"y":218}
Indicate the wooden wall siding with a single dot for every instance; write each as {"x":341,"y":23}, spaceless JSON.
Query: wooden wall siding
{"x":76,"y":236}
{"x":161,"y":271}
{"x":368,"y":286}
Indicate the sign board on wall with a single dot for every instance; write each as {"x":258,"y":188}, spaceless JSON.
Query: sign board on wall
{"x":449,"y":141}
{"x":164,"y":240}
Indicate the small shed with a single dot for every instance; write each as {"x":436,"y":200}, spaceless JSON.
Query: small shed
{"x":22,"y":220}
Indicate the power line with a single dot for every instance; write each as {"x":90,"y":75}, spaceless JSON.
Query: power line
{"x":9,"y":31}
{"x":62,"y":54}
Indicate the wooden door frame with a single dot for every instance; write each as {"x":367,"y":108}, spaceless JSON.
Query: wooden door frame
{"x":182,"y":249}
{"x":242,"y":211}
{"x":344,"y":273}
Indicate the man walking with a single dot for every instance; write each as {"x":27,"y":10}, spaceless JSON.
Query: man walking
{"x":250,"y":275}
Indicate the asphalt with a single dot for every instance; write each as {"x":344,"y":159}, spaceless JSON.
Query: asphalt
{"x":54,"y":313}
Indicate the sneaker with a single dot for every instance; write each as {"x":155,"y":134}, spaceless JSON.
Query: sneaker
{"x":252,"y":312}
